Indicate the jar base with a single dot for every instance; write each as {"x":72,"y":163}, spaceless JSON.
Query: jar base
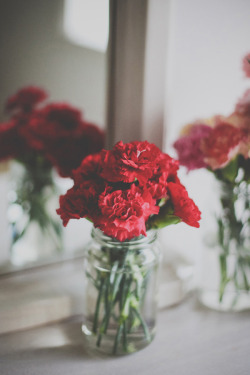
{"x":231,"y":301}
{"x":106,"y":345}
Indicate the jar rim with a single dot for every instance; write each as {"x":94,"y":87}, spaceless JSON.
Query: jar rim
{"x":99,"y":236}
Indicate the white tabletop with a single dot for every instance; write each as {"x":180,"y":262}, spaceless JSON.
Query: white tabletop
{"x":190,"y":340}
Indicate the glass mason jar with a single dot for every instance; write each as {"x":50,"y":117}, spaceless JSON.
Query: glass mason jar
{"x":121,"y":292}
{"x":225,"y":280}
{"x":36,"y":229}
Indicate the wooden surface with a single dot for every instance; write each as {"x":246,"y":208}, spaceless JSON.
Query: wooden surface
{"x":52,"y":292}
{"x":190,"y":340}
{"x":41,"y":295}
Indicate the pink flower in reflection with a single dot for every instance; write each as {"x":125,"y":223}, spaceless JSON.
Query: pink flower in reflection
{"x":188,"y":147}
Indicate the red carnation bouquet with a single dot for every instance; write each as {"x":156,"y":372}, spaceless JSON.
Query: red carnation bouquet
{"x":126,"y":192}
{"x":54,"y":133}
{"x":221,"y":144}
{"x":42,"y":137}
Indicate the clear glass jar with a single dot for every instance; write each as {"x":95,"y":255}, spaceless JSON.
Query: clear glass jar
{"x":225,"y":276}
{"x":36,"y":229}
{"x":121,"y":292}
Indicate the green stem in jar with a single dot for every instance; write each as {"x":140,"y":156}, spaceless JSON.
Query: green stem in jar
{"x":143,"y":323}
{"x":117,"y":338}
{"x":243,"y":265}
{"x":125,"y":330}
{"x":120,"y":296}
{"x":224,"y":278}
{"x":97,"y":309}
{"x":233,"y":232}
{"x":112,"y":286}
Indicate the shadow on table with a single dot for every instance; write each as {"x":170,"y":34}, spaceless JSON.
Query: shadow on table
{"x":63,"y":341}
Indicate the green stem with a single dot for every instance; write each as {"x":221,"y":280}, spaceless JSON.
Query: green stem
{"x":98,"y":302}
{"x":117,"y":338}
{"x":233,"y":228}
{"x":109,"y":304}
{"x":122,"y":293}
{"x":224,"y":279}
{"x":106,"y":316}
{"x":34,"y":187}
{"x":17,"y":236}
{"x":125,"y":330}
{"x":144,"y":324}
{"x":242,"y":267}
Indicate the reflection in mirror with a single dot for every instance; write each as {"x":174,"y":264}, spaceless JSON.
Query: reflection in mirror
{"x":40,"y":48}
{"x":86,"y":23}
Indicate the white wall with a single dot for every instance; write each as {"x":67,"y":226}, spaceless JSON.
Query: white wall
{"x":208,"y":40}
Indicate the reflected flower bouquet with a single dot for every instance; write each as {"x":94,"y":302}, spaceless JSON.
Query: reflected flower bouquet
{"x":125,"y":192}
{"x":53,"y":133}
{"x":41,"y":137}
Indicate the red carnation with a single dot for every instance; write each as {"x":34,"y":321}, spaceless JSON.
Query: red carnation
{"x":189,"y":149}
{"x":70,"y":206}
{"x":221,"y":145}
{"x":13,"y":145}
{"x":184,"y":207}
{"x":131,"y":161}
{"x":165,"y":171}
{"x":25,"y":99}
{"x":59,"y":131}
{"x":80,"y":202}
{"x":56,"y":120}
{"x":8,"y":140}
{"x":90,"y":168}
{"x":123,"y":213}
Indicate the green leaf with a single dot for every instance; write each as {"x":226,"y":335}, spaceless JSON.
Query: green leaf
{"x":231,"y":170}
{"x":164,"y":218}
{"x":87,"y":218}
{"x":161,"y":222}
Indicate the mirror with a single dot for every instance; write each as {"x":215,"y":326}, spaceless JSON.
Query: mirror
{"x":43,"y":46}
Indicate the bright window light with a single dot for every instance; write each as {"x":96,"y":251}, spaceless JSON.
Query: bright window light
{"x":86,"y":23}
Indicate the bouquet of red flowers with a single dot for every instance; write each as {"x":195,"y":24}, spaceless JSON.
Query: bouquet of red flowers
{"x":53,"y":132}
{"x":221,"y":144}
{"x":42,"y":137}
{"x":126,"y":192}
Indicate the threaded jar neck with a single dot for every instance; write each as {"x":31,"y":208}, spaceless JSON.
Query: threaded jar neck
{"x":135,"y":243}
